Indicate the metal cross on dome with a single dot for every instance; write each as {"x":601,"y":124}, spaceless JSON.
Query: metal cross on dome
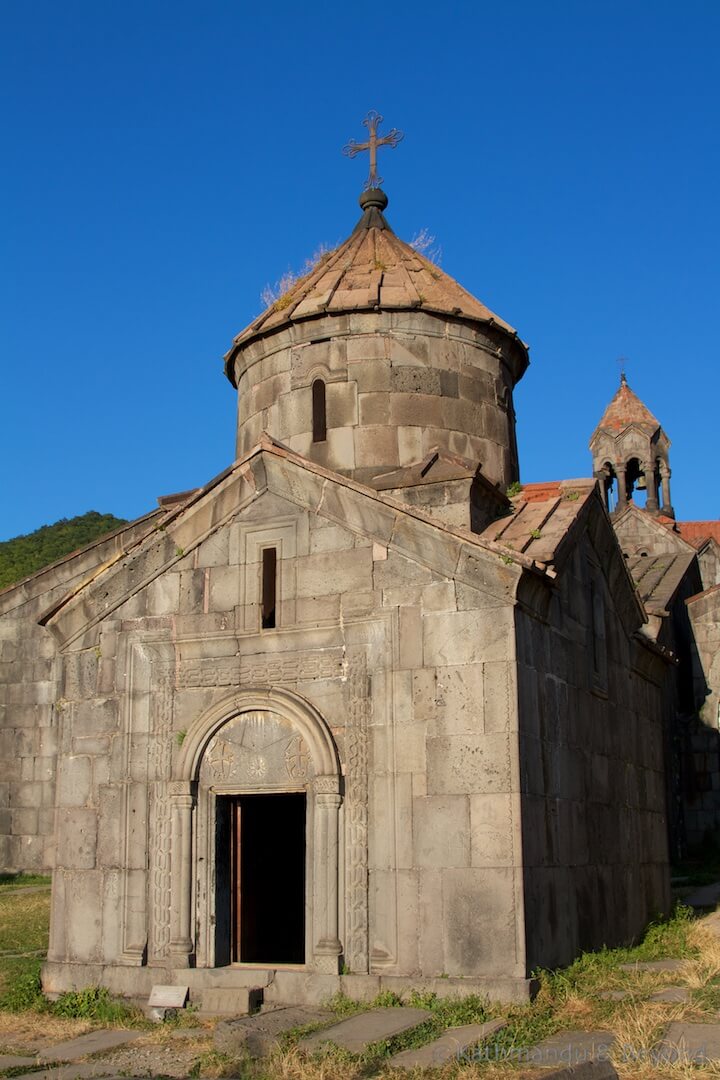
{"x":371,"y":122}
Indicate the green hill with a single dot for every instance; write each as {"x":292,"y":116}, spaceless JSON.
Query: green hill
{"x":24,"y":555}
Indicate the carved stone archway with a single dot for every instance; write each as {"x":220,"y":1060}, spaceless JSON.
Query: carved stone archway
{"x":255,"y":740}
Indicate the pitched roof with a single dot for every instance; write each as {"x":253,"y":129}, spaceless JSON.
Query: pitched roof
{"x":626,"y":409}
{"x":542,"y":518}
{"x":658,"y":577}
{"x":373,"y":270}
{"x":698,"y":533}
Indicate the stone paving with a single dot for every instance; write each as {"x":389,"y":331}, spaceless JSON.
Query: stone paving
{"x":454,"y":1044}
{"x":361,"y":1031}
{"x":570,"y":1048}
{"x":258,"y":1034}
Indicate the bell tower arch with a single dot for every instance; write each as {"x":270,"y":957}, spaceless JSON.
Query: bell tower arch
{"x":631,"y":454}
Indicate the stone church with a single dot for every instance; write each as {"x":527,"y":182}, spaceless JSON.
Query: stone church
{"x":363,"y":712}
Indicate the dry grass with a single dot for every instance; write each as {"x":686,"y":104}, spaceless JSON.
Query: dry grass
{"x":30,"y":1030}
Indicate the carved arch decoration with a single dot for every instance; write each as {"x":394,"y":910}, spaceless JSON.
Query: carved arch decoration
{"x":303,"y":716}
{"x":192,"y":816}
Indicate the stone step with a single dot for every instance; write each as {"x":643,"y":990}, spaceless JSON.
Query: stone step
{"x":361,"y":1031}
{"x":228,"y":1001}
{"x":653,"y":965}
{"x":453,"y":1045}
{"x":258,"y":1034}
{"x":696,"y":1043}
{"x":569,"y":1048}
{"x":679,"y":994}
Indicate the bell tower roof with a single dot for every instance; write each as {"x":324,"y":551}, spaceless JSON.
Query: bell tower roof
{"x":624,"y":410}
{"x":630,"y":453}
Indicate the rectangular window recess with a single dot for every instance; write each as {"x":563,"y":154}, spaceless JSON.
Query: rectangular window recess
{"x":269,"y":588}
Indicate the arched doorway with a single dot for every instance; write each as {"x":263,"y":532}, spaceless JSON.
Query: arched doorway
{"x":255,"y":836}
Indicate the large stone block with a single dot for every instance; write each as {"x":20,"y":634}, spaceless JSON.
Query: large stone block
{"x":493,"y":830}
{"x":95,"y":717}
{"x":479,"y":922}
{"x":460,"y":764}
{"x":441,"y":831}
{"x":323,"y":574}
{"x":467,"y":637}
{"x":74,"y":780}
{"x":370,"y":518}
{"x":83,"y":916}
{"x":77,"y":839}
{"x":450,"y":698}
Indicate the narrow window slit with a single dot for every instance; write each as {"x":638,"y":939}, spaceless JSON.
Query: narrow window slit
{"x":269,"y":588}
{"x":319,"y":411}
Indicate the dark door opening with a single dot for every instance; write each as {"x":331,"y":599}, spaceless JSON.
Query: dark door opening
{"x":267,"y":877}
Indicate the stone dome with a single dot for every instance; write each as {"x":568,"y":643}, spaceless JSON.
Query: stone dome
{"x":407,"y":358}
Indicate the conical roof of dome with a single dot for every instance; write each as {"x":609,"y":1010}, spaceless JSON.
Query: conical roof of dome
{"x":625,"y":409}
{"x":373,"y":270}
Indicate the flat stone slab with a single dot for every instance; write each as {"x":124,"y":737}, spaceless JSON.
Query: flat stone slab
{"x":672,"y":993}
{"x":654,"y":965}
{"x":13,"y":1061}
{"x":614,"y":995}
{"x":705,"y":897}
{"x":360,"y":1031}
{"x":570,"y":1048}
{"x":93,"y":1043}
{"x":258,"y":1034}
{"x":698,"y":1043}
{"x":590,"y":1070}
{"x":453,"y":1045}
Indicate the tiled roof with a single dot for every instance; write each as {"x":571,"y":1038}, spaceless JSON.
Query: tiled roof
{"x":698,"y":532}
{"x":542,"y":516}
{"x":658,"y":577}
{"x":372,"y":271}
{"x":625,"y":409}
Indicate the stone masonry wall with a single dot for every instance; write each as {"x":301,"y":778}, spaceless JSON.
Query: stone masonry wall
{"x":397,"y":384}
{"x":594,"y":813}
{"x":29,"y":693}
{"x":412,"y":671}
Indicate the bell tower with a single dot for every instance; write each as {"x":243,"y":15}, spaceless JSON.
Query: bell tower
{"x":630,"y":450}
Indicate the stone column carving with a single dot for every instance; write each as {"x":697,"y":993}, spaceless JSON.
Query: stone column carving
{"x":182,"y":797}
{"x":327,"y":947}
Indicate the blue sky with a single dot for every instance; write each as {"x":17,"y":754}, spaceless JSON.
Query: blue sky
{"x":163,"y":162}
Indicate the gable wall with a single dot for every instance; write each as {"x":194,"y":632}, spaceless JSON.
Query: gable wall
{"x":414,"y":676}
{"x":592,"y":769}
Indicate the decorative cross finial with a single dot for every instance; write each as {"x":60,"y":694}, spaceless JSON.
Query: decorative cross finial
{"x":622,"y":364}
{"x":371,"y":122}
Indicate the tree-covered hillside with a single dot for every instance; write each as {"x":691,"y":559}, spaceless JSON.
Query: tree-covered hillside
{"x":24,"y":555}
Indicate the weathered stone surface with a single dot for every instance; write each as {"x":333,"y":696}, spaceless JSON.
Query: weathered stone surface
{"x":93,"y":1043}
{"x":571,"y":1048}
{"x":258,"y":1034}
{"x":360,"y":1031}
{"x":672,"y":994}
{"x":455,"y":1044}
{"x":697,"y":1043}
{"x":654,"y":965}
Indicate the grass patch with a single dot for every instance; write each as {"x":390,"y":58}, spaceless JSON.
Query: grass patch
{"x":22,"y":881}
{"x":24,"y":928}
